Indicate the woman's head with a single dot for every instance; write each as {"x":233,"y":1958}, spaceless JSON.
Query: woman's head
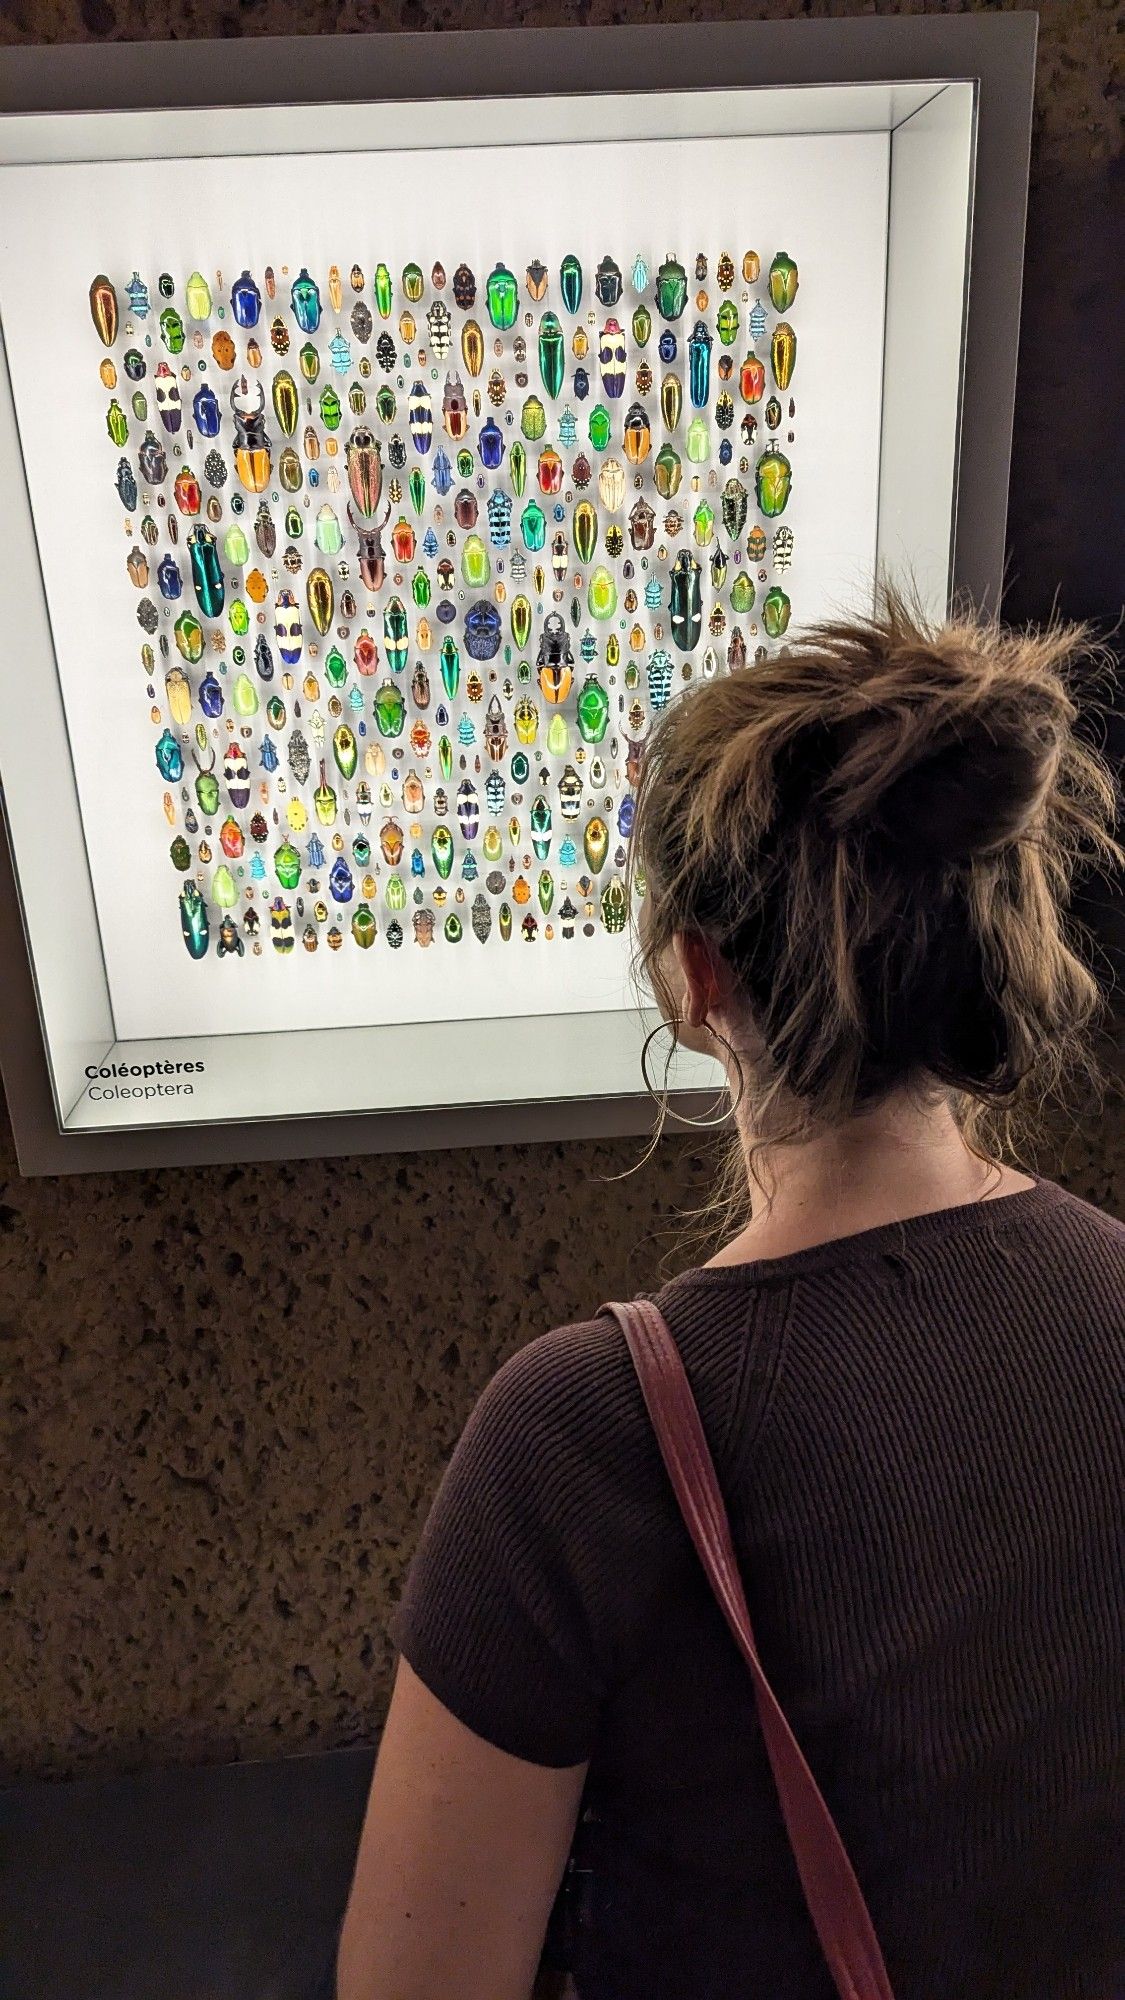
{"x":871,"y":839}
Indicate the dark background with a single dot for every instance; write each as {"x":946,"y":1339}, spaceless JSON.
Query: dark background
{"x":227,"y":1393}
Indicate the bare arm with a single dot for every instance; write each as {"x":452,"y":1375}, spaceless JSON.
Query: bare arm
{"x":461,"y":1854}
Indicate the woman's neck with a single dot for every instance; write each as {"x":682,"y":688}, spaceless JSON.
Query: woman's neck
{"x":898,"y":1161}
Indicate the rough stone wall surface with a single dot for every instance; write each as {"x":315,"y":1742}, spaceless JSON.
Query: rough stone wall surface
{"x":227,"y":1394}
{"x":227,"y":1397}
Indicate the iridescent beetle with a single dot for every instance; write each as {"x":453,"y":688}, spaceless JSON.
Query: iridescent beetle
{"x":193,"y":921}
{"x":206,"y":573}
{"x":169,"y":757}
{"x":246,"y":301}
{"x":773,"y":479}
{"x":776,"y":610}
{"x":172,"y":330}
{"x":699,"y":365}
{"x":341,"y":882}
{"x":206,"y":786}
{"x":153,"y":459}
{"x":396,"y":635}
{"x":205,"y":410}
{"x":305,"y":300}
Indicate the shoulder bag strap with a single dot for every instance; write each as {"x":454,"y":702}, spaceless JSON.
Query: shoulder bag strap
{"x":834,"y":1897}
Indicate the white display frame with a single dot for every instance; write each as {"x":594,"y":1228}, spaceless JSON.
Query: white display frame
{"x":942,"y":486}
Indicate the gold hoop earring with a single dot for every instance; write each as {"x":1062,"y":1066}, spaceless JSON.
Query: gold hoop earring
{"x":660,"y":1098}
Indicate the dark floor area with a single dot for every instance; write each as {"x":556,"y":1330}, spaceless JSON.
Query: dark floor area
{"x":220,"y":1884}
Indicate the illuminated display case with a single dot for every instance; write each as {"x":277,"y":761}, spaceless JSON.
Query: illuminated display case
{"x":389,"y":431}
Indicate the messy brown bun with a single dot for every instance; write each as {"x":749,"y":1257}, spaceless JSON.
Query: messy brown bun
{"x":879,"y":829}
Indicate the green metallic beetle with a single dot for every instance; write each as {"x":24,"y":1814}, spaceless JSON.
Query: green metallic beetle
{"x":206,"y":574}
{"x":783,"y":281}
{"x":287,"y":865}
{"x":551,"y":353}
{"x":364,"y":927}
{"x":206,"y":786}
{"x":396,"y":636}
{"x":671,"y":289}
{"x":501,"y":295}
{"x":585,"y":530}
{"x":521,"y":620}
{"x":776,"y":611}
{"x":193,"y":921}
{"x":773,"y":482}
{"x":593,"y":710}
{"x":450,"y":661}
{"x":570,"y":282}
{"x":642,"y":325}
{"x":727,"y":322}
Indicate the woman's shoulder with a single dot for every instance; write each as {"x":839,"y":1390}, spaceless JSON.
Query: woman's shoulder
{"x":580,"y":1368}
{"x":570,"y":1400}
{"x":565,"y":1414}
{"x":1073,"y":1211}
{"x":552,"y":1529}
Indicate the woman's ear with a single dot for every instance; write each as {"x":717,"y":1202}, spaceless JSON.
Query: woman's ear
{"x":705,"y":976}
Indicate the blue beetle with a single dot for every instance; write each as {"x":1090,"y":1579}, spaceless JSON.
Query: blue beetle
{"x":205,"y":410}
{"x":245,"y":300}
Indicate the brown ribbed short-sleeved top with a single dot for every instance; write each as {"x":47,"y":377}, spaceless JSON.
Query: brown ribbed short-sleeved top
{"x":919,"y":1431}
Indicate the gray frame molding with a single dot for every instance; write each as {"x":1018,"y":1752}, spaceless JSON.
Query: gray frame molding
{"x":997,"y":51}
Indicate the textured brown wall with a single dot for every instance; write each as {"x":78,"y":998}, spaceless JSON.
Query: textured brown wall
{"x":224,"y":1407}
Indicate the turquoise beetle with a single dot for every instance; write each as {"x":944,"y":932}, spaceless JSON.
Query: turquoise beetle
{"x":193,"y":921}
{"x":206,"y":574}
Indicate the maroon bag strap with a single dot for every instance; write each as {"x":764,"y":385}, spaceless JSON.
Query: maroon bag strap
{"x":834,"y":1897}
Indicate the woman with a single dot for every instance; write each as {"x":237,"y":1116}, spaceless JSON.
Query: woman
{"x":907,"y":1361}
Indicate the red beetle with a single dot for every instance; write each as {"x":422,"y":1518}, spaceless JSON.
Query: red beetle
{"x":550,"y":470}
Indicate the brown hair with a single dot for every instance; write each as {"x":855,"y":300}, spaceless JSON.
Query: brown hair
{"x":879,"y":828}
